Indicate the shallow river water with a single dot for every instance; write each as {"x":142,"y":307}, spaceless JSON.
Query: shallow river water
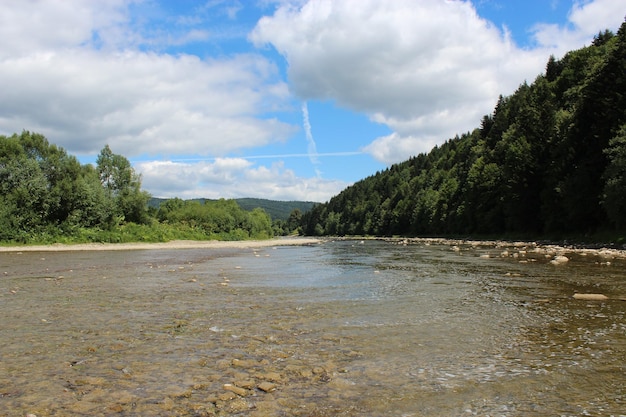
{"x":342,"y":328}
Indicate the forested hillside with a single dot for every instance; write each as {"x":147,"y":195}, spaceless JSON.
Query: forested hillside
{"x":551,"y":159}
{"x":278,"y":210}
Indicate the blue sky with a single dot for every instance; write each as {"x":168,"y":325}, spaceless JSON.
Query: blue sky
{"x":279,"y":99}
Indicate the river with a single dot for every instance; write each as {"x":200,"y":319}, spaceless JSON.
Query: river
{"x":342,"y":328}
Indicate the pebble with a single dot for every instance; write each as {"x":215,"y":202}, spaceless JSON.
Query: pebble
{"x":247,"y":383}
{"x":242,"y":392}
{"x":238,"y":405}
{"x":591,"y":297}
{"x":243,"y":363}
{"x":266,"y":386}
{"x":270,"y":376}
{"x":559,"y":260}
{"x":227,"y":396}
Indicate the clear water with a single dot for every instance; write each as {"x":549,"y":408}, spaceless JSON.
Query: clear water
{"x":342,"y":328}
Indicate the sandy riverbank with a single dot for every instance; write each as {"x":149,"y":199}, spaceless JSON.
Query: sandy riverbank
{"x":175,"y":244}
{"x":547,"y":249}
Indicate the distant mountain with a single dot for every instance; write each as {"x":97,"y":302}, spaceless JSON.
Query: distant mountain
{"x":277,"y":210}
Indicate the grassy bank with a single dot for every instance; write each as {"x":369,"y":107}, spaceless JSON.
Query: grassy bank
{"x":130,"y":233}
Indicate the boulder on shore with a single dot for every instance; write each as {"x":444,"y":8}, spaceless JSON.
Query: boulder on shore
{"x":559,"y":260}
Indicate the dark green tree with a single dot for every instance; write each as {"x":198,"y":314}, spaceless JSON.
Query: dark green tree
{"x":123,"y":185}
{"x":614,"y":197}
{"x":45,"y":191}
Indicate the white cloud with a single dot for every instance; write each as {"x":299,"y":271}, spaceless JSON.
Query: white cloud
{"x":585,"y":19}
{"x":28,"y":27}
{"x":232,"y":178}
{"x":592,"y":16}
{"x":141,"y":103}
{"x":427,"y":69}
{"x":65,"y":73}
{"x":86,"y":73}
{"x":395,"y":147}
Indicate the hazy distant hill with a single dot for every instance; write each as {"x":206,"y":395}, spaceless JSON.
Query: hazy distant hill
{"x":278,"y":210}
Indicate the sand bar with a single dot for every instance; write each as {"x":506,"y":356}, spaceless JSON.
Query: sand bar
{"x":174,"y":244}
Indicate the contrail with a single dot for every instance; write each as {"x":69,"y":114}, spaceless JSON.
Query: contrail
{"x":311,"y":147}
{"x":269,"y":156}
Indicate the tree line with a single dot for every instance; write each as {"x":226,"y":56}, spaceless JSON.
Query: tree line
{"x":46,"y":195}
{"x":285,"y":215}
{"x":549,"y":160}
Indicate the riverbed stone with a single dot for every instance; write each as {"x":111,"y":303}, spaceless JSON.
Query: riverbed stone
{"x":245,"y":383}
{"x":121,"y":397}
{"x":243,"y":363}
{"x":167,"y":404}
{"x":178,"y":392}
{"x":227,"y":396}
{"x":90,"y":380}
{"x":223,"y":364}
{"x":267,"y":386}
{"x":238,"y":405}
{"x":242,"y":392}
{"x":559,"y":260}
{"x":318,"y":370}
{"x":115,"y":408}
{"x":270,"y":376}
{"x":299,"y":370}
{"x":241,"y":375}
{"x":203,"y":410}
{"x":591,"y":297}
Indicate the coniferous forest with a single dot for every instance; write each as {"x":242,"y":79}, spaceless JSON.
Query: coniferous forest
{"x":549,"y":161}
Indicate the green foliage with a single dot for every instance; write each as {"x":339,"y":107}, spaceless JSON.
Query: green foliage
{"x":277,"y":210}
{"x":43,"y":188}
{"x":46,"y":196}
{"x":614,"y":199}
{"x":286,"y":215}
{"x":123,"y":186}
{"x":289,"y":226}
{"x":222,"y":219}
{"x":551,"y":159}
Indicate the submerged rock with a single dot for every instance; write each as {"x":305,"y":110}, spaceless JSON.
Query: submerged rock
{"x":242,"y":392}
{"x":267,"y":386}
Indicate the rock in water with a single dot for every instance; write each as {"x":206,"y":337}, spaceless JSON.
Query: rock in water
{"x":267,"y":386}
{"x":596,"y":297}
{"x":559,"y":260}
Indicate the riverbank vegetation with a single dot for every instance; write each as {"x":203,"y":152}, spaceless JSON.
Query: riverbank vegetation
{"x":47,"y":196}
{"x":549,"y":161}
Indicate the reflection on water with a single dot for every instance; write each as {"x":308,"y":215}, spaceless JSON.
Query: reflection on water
{"x":342,"y":328}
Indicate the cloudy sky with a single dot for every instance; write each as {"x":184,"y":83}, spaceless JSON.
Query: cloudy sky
{"x":278,"y":99}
